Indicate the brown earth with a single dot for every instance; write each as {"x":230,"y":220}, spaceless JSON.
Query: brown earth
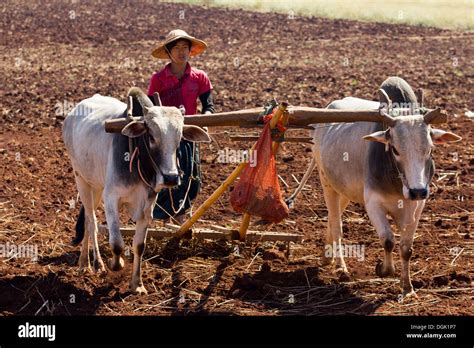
{"x":56,"y":54}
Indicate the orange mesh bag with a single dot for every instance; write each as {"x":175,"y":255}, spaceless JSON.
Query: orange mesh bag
{"x":258,"y":192}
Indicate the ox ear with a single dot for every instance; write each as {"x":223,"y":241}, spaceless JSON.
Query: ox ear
{"x":134,"y":129}
{"x":195,"y":134}
{"x":441,"y":137}
{"x":381,"y":137}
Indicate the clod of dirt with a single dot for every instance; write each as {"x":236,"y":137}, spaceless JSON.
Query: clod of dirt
{"x":249,"y":283}
{"x":441,"y":280}
{"x":344,"y":277}
{"x":236,"y":293}
{"x":418,"y":284}
{"x":265,"y":267}
{"x":273,"y":254}
{"x":460,"y":277}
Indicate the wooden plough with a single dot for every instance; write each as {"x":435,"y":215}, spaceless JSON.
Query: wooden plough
{"x":212,"y":232}
{"x":290,"y":117}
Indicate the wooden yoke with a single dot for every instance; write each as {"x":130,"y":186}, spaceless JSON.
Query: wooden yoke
{"x":300,"y":117}
{"x":223,"y":187}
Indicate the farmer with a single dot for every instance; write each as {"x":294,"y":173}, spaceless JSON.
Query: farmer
{"x":180,"y":85}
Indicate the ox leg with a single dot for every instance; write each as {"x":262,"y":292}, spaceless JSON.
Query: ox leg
{"x":115,"y":237}
{"x":139,"y":242}
{"x":407,"y":232}
{"x":98,"y":263}
{"x":85,"y":192}
{"x":379,"y":220}
{"x":306,"y":176}
{"x":333,"y":248}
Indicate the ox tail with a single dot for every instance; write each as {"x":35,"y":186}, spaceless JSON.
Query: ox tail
{"x":79,"y":227}
{"x":290,"y":200}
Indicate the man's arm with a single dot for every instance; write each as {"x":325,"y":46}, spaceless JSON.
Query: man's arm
{"x":207,"y":103}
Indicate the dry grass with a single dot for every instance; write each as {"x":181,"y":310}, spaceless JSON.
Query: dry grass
{"x":455,"y":14}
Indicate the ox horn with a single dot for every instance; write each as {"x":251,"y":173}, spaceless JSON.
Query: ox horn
{"x":384,"y":99}
{"x":143,"y":99}
{"x":385,"y":107}
{"x":157,"y":98}
{"x":434,"y":116}
{"x":129,"y":108}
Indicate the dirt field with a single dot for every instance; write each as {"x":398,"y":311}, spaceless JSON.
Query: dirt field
{"x":54,"y":55}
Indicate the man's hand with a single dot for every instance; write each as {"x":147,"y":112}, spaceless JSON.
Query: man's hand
{"x":207,"y":113}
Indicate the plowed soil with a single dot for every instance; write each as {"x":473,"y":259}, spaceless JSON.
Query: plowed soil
{"x":56,"y":54}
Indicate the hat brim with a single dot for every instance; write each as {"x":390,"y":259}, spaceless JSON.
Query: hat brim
{"x":197,"y":47}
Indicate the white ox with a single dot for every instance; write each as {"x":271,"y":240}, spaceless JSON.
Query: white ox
{"x":390,"y":173}
{"x":104,"y":169}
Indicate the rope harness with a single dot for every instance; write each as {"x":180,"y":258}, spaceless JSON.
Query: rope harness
{"x":135,"y":151}
{"x":135,"y":155}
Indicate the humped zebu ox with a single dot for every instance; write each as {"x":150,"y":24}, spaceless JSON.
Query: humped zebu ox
{"x":386,"y":166}
{"x":104,"y":169}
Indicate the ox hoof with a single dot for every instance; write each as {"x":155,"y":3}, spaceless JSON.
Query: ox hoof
{"x":409,"y":292}
{"x":382,"y":271}
{"x":116,"y":266}
{"x":326,"y":261}
{"x":84,"y":266}
{"x":85,"y":269}
{"x":344,"y":276}
{"x":99,"y":267}
{"x":138,"y":289}
{"x":341,"y":267}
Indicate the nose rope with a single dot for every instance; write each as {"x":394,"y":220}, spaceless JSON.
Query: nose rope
{"x":132,"y":158}
{"x":400,"y":174}
{"x":136,"y":153}
{"x":141,"y":176}
{"x":414,"y":211}
{"x":153,"y":163}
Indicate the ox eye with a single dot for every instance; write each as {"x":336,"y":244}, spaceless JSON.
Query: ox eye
{"x":395,"y":151}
